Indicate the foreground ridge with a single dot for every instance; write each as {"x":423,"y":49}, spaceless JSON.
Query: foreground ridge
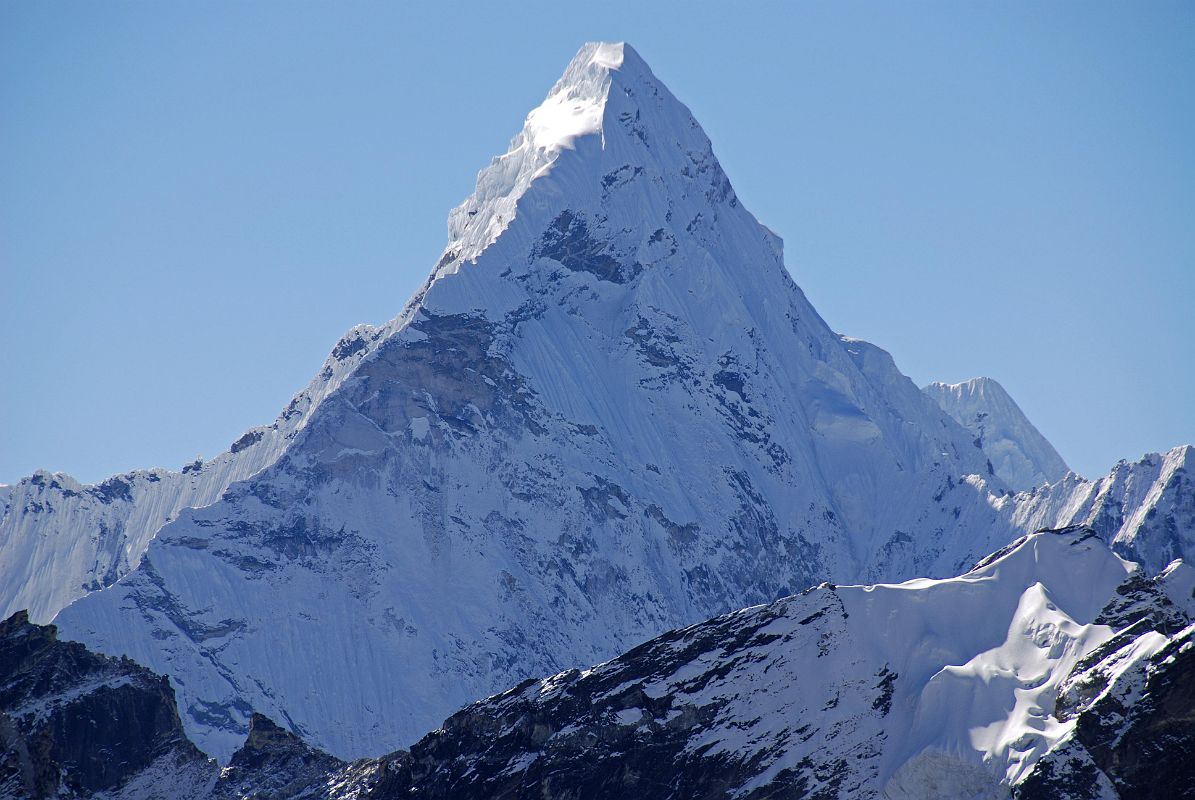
{"x":1073,"y":667}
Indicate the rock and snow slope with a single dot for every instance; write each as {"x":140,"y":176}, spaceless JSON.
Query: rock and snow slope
{"x":1020,"y":455}
{"x":74,"y":724}
{"x":1053,"y":669}
{"x":609,"y":412}
{"x":927,"y":689}
{"x":1145,"y":509}
{"x":60,"y":539}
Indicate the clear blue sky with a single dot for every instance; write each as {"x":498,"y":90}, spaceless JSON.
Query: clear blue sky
{"x":196,"y":200}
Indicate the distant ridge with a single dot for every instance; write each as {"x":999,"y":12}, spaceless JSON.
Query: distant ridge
{"x":1020,"y":455}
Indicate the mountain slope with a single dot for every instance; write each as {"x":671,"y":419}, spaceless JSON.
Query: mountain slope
{"x":928,"y":689}
{"x":1020,"y":455}
{"x":1052,"y":669}
{"x":1145,"y":509}
{"x":609,"y":412}
{"x":74,"y":724}
{"x":60,"y":539}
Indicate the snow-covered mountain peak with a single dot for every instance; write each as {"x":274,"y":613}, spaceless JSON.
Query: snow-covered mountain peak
{"x":576,"y":104}
{"x":607,"y":125}
{"x":1019,"y":454}
{"x":610,"y":412}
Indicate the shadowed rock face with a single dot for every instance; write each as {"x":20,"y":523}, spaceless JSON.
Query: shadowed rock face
{"x":274,"y":763}
{"x":603,"y":733}
{"x":73,"y":723}
{"x":1136,"y":741}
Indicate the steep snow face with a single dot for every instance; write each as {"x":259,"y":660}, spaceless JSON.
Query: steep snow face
{"x":1020,"y":455}
{"x":60,"y":539}
{"x":609,"y":412}
{"x":985,"y":656}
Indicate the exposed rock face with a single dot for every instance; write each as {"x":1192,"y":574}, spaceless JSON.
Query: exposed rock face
{"x":1134,"y":715}
{"x":274,"y":763}
{"x":77,"y":724}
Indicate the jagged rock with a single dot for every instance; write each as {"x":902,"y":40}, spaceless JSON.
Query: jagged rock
{"x":75,"y":724}
{"x":274,"y":764}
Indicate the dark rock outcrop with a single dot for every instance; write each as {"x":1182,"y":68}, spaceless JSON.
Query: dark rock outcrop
{"x":1137,"y":739}
{"x":274,"y":763}
{"x":74,"y":723}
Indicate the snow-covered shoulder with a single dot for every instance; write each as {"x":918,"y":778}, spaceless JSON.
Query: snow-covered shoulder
{"x":1178,"y":582}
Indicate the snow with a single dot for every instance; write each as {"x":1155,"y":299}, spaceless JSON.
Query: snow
{"x":1020,"y":455}
{"x":575,"y":108}
{"x":1146,"y":508}
{"x":60,"y":539}
{"x":420,"y":427}
{"x":608,"y":413}
{"x":1178,"y":583}
{"x":561,"y":120}
{"x":984,"y":653}
{"x":973,"y":667}
{"x":589,"y":459}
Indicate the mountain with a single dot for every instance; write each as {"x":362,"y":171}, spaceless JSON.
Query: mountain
{"x":1020,"y":455}
{"x":75,"y":724}
{"x":60,"y":539}
{"x":1145,"y":509}
{"x":1052,"y":669}
{"x":609,"y":412}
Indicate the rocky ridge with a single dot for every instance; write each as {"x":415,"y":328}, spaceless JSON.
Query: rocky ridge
{"x":1052,"y":669}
